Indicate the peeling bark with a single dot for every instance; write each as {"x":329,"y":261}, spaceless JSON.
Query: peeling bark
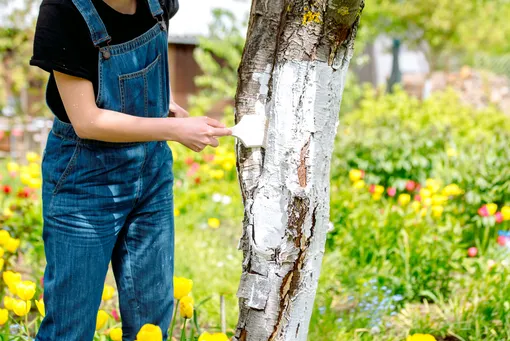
{"x":293,"y":70}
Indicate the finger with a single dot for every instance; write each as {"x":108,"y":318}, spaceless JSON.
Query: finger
{"x":213,"y":142}
{"x":214,"y":123}
{"x":221,"y":132}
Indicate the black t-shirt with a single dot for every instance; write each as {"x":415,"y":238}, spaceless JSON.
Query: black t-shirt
{"x":62,"y":40}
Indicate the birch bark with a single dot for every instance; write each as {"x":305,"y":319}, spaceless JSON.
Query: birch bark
{"x":293,"y":70}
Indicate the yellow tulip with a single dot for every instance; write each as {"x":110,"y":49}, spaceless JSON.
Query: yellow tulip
{"x":378,"y":189}
{"x":439,"y":199}
{"x":149,"y":332}
{"x":505,"y":212}
{"x":205,"y":336}
{"x":12,"y":167}
{"x":423,"y":212}
{"x":35,"y":183}
{"x":437,"y":211}
{"x":427,"y":201}
{"x":492,"y":208}
{"x":2,"y":252}
{"x":217,"y":174}
{"x":404,"y":199}
{"x":213,"y":223}
{"x":359,"y":184}
{"x":102,"y":318}
{"x":32,"y":157}
{"x":186,"y":307}
{"x":421,"y":337}
{"x":12,"y":244}
{"x":4,"y":236}
{"x":25,"y":178}
{"x":40,"y":307}
{"x":376,"y":196}
{"x":8,"y":302}
{"x":25,"y":290}
{"x":416,"y":205}
{"x":425,"y":193}
{"x":182,"y":287}
{"x":116,"y":334}
{"x":108,"y":292}
{"x":355,"y":175}
{"x":433,"y":185}
{"x":218,"y":337}
{"x":453,"y":190}
{"x":4,"y":316}
{"x":228,"y":165}
{"x":11,"y":279}
{"x":21,"y":308}
{"x":177,"y":212}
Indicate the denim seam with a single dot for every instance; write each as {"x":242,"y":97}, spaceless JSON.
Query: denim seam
{"x":134,"y":293}
{"x":136,"y":43}
{"x":145,"y":95}
{"x":69,"y":167}
{"x":140,"y":178}
{"x":100,"y":79}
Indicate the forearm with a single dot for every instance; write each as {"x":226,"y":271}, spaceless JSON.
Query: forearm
{"x":113,"y":126}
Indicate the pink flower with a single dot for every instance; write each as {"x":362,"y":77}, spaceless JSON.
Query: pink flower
{"x":482,"y":211}
{"x":208,"y":157}
{"x":499,"y":217}
{"x":502,"y":240}
{"x":193,"y":169}
{"x":410,"y":185}
{"x":472,"y":251}
{"x":417,"y":197}
{"x":391,"y":191}
{"x":115,"y":315}
{"x":372,"y":189}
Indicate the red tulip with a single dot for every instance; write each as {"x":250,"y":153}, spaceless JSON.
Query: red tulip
{"x":197,"y":180}
{"x":472,"y":251}
{"x":499,"y":217}
{"x":410,"y":185}
{"x":189,"y":160}
{"x":391,"y":191}
{"x":482,"y":211}
{"x":24,"y":193}
{"x":7,"y":189}
{"x":417,"y":197}
{"x":502,"y":240}
{"x":372,"y":189}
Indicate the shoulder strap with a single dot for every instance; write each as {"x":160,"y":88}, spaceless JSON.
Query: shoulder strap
{"x":95,"y":24}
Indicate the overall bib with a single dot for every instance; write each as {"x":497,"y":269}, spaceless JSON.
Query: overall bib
{"x":113,"y":202}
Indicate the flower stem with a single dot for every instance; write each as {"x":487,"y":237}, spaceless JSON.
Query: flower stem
{"x":183,"y":331}
{"x":173,"y":319}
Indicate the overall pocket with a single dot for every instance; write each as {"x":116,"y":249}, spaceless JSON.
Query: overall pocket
{"x":141,"y":92}
{"x":59,"y":161}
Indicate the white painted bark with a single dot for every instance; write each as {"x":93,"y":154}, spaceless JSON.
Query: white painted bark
{"x":298,"y":85}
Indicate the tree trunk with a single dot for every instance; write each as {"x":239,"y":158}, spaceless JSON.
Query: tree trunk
{"x":293,"y":69}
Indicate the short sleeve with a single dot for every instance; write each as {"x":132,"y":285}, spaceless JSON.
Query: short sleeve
{"x":62,"y":41}
{"x":172,"y":7}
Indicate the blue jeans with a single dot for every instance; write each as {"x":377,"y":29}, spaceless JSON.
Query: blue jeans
{"x":104,"y":201}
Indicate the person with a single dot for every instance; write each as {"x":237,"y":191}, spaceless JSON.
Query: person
{"x":107,"y":189}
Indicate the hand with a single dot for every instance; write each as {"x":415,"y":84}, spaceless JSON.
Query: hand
{"x":177,"y":111}
{"x":196,"y":133}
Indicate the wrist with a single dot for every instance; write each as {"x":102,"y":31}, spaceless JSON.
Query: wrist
{"x":172,"y":129}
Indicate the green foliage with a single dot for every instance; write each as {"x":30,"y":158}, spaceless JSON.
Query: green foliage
{"x":447,"y":27}
{"x":218,"y":56}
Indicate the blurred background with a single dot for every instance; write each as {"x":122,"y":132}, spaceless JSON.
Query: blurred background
{"x":420,"y":203}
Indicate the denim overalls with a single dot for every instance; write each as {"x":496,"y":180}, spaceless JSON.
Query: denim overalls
{"x":113,"y":202}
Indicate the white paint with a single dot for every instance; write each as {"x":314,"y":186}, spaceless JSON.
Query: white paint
{"x":305,"y":106}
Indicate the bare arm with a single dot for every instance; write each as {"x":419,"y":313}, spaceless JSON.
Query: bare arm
{"x":91,"y":122}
